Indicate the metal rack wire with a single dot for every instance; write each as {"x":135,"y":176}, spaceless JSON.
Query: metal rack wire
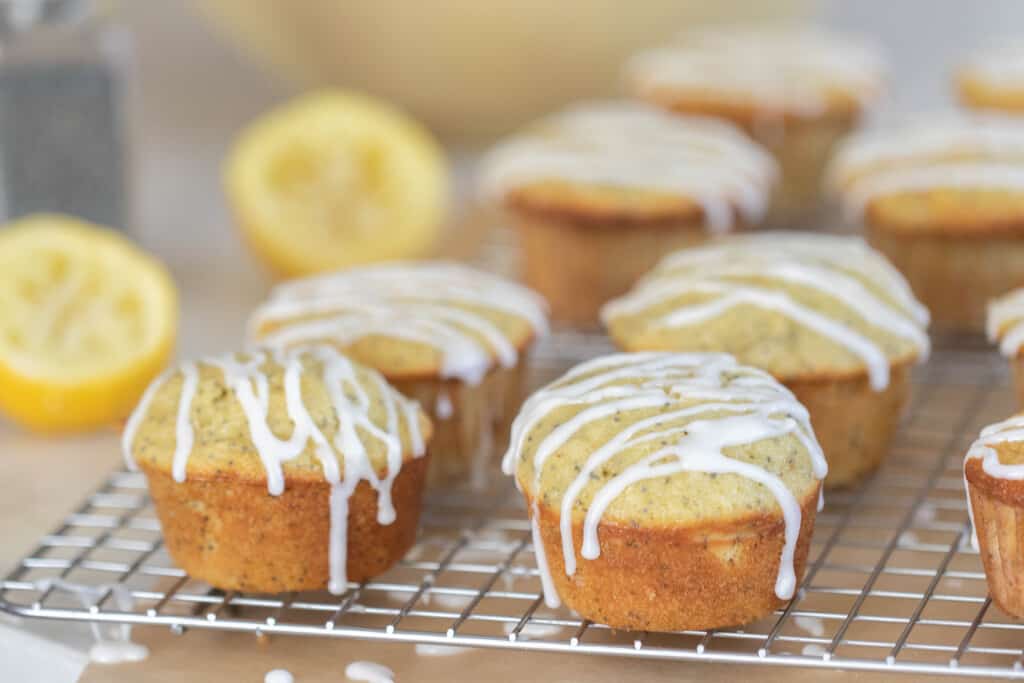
{"x":892,"y":583}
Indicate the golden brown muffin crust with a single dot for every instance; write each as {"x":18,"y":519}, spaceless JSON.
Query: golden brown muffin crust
{"x":761,"y":334}
{"x":670,"y":578}
{"x":1005,"y":490}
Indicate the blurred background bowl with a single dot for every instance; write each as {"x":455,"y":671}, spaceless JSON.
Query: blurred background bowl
{"x":470,"y":69}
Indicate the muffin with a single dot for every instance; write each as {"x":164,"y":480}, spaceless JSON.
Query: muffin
{"x":797,"y":91}
{"x":943,"y":198}
{"x":1005,"y":326}
{"x":993,"y":79}
{"x":667,"y":491}
{"x":994,"y":478}
{"x":824,"y":314}
{"x":599,"y":192}
{"x":277,"y":472}
{"x":451,"y":337}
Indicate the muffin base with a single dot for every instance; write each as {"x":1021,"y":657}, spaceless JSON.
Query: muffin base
{"x":955,"y":277}
{"x":464,"y":443}
{"x":998,"y":508}
{"x":676,"y":578}
{"x":578,"y":266}
{"x":854,"y":423}
{"x":236,"y":536}
{"x":1017,"y":368}
{"x":802,"y":149}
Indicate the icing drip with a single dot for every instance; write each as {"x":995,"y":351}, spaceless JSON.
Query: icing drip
{"x":246,"y":378}
{"x":369,"y":672}
{"x":738,"y":406}
{"x":1005,"y":322}
{"x":781,"y":69}
{"x":814,"y":626}
{"x":111,"y":647}
{"x":830,"y":265}
{"x":1007,"y":431}
{"x":425,"y":303}
{"x":636,"y":146}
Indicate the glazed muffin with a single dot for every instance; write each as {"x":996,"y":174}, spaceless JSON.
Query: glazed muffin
{"x":277,"y":472}
{"x":599,"y":192}
{"x":797,"y":91}
{"x":994,"y":478}
{"x":1005,"y":326}
{"x":993,"y":79}
{"x":454,"y":338}
{"x":667,"y":491}
{"x":943,"y":198}
{"x":824,"y":314}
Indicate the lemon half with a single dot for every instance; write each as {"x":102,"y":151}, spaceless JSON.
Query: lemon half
{"x":86,"y":320}
{"x":334,"y":179}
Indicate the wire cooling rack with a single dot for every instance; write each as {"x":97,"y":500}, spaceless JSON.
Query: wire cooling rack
{"x":892,"y":582}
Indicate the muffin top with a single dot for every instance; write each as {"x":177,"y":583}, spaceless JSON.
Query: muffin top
{"x":408,"y":320}
{"x":995,"y":462}
{"x":629,"y":162}
{"x":1005,"y":323}
{"x":750,"y":74}
{"x":993,"y":78}
{"x":306,"y":415}
{"x":799,"y":305}
{"x":959,"y":174}
{"x":665,"y":439}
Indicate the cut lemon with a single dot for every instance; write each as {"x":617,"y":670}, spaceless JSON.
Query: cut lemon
{"x":86,"y":321}
{"x":336,"y":179}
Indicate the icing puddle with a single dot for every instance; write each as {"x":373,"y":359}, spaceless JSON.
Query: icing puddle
{"x":369,"y":672}
{"x":113,"y":641}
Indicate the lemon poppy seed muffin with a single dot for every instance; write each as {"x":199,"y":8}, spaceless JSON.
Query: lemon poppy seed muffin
{"x":826,"y":315}
{"x":994,"y":478}
{"x":667,"y":491}
{"x":993,"y":79}
{"x":281,"y":471}
{"x":600,"y":191}
{"x":796,"y":90}
{"x":452,"y":337}
{"x":943,"y":198}
{"x":1005,"y":326}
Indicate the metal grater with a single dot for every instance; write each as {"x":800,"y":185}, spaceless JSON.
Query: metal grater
{"x":61,"y":142}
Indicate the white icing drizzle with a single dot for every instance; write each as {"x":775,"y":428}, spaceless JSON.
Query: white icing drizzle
{"x":429,"y":303}
{"x":774,"y":67}
{"x":829,"y":264}
{"x":369,"y":672}
{"x":632,"y":145}
{"x":1007,"y":431}
{"x":245,"y":377}
{"x":279,"y":676}
{"x":999,"y":66}
{"x":1005,"y":322}
{"x":963,"y":150}
{"x":111,"y":647}
{"x":756,"y":407}
{"x":443,"y":410}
